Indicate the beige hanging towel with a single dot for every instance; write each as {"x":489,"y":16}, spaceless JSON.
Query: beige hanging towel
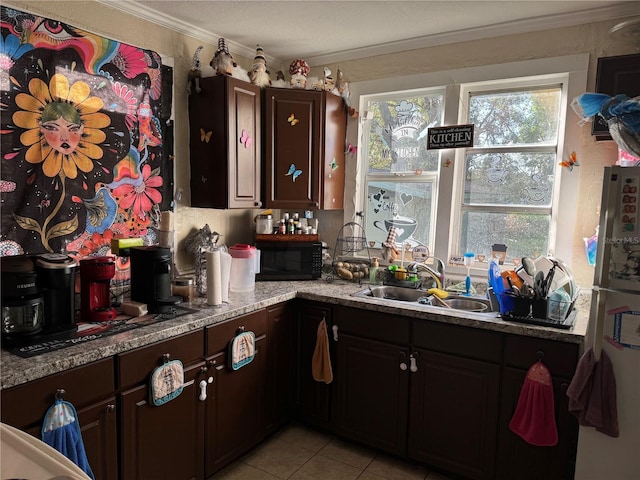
{"x":321,"y":362}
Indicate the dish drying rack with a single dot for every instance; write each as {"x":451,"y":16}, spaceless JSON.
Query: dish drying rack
{"x":351,"y":259}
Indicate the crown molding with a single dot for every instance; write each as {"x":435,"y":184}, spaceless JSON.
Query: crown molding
{"x":184,"y":28}
{"x":624,"y":10}
{"x":536,"y":24}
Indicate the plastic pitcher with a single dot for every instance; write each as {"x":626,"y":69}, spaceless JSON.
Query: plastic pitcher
{"x":245,"y":263}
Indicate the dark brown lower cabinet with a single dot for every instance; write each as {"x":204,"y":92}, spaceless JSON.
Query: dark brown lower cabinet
{"x":235,"y":418}
{"x":312,"y":398}
{"x":515,"y":457}
{"x":371,"y":393}
{"x":90,"y":388}
{"x":163,"y":441}
{"x":453,"y":414}
{"x":280,"y":388}
{"x":99,"y":428}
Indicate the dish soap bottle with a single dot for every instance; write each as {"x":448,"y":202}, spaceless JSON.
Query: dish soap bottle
{"x":373,"y":272}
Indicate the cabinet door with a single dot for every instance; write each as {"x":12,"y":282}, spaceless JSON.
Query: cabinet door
{"x":235,"y":419}
{"x":98,"y":425}
{"x":519,"y":459}
{"x":371,"y":393}
{"x":453,"y":414}
{"x":164,"y":441}
{"x":225,"y":144}
{"x":245,"y":143}
{"x":313,"y":398}
{"x":280,"y":388}
{"x":292,"y":148}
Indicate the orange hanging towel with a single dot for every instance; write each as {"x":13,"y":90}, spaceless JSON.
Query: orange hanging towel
{"x":534,"y":419}
{"x":321,"y":361}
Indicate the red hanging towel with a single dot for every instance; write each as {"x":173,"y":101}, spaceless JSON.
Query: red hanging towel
{"x":534,"y":419}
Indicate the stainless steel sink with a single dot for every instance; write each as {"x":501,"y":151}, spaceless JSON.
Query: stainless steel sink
{"x":395,"y":295}
{"x":399,"y":294}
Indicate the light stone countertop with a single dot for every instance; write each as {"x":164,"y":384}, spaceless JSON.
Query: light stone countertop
{"x":15,"y":370}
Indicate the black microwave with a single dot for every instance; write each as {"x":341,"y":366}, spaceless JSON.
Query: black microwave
{"x":287,"y":260}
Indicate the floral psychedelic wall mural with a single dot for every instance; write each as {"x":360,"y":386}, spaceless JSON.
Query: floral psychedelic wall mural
{"x":84,"y":156}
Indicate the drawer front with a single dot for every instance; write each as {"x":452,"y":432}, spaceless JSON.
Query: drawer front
{"x":456,"y":340}
{"x":220,"y":334}
{"x":560,"y":358}
{"x":134,"y":367}
{"x":374,"y":325}
{"x":24,"y":405}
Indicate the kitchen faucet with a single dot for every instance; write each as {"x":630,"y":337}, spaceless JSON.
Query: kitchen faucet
{"x":436,"y":272}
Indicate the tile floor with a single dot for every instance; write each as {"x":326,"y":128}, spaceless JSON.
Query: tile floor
{"x":300,"y":453}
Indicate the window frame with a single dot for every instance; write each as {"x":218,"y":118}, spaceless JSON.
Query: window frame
{"x":575,"y":67}
{"x":504,"y":85}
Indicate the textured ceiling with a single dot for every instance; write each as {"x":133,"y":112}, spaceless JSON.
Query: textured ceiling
{"x":327,"y":31}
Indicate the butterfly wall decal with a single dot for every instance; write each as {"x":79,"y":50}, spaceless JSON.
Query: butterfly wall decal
{"x":292,"y":120}
{"x":205,"y":136}
{"x":352,"y":149}
{"x":245,"y":139}
{"x":295,"y":173}
{"x":571,"y":162}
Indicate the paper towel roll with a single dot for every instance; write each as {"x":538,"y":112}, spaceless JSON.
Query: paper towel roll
{"x":214,"y":278}
{"x":225,"y":274}
{"x":166,"y":221}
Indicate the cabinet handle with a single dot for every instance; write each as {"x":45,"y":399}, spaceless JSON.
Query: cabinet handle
{"x":414,"y":365}
{"x":110,"y":408}
{"x":335,"y":333}
{"x":203,"y":390}
{"x":258,"y":204}
{"x":403,"y":364}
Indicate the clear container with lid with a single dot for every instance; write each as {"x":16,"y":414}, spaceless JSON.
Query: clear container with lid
{"x":183,"y":287}
{"x":245,"y":263}
{"x":264,"y":224}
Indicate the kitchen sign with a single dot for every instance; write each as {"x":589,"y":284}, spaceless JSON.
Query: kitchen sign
{"x":453,"y":136}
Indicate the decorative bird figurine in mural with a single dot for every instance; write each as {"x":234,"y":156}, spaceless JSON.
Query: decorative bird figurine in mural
{"x":101,"y":209}
{"x":621,"y":113}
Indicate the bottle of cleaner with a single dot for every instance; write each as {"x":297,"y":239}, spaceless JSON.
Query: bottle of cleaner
{"x":373,"y":272}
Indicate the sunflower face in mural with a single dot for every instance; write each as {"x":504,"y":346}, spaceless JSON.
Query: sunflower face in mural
{"x":63,"y":125}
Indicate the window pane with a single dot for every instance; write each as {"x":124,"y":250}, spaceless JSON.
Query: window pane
{"x":524,"y":234}
{"x":397,"y":134}
{"x":515,"y":118}
{"x":509,"y":179}
{"x":406,"y":206}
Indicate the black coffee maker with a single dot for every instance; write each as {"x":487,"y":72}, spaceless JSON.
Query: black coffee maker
{"x":57,"y":280}
{"x":151,"y":278}
{"x":22,"y":300}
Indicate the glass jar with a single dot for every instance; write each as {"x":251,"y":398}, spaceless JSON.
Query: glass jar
{"x":264,"y":224}
{"x":183,"y":287}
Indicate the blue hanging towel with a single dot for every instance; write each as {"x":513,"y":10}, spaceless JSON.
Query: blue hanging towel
{"x":61,"y":431}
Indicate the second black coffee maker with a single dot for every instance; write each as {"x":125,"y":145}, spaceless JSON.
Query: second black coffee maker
{"x":151,"y":278}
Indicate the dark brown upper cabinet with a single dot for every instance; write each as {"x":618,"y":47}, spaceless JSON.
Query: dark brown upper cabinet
{"x":305,"y":134}
{"x":225,"y":144}
{"x":615,"y":75}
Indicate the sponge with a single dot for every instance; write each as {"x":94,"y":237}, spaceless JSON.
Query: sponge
{"x":135,"y":309}
{"x":438,"y":292}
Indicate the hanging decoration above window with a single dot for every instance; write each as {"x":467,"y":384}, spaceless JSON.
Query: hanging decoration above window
{"x":83,"y":157}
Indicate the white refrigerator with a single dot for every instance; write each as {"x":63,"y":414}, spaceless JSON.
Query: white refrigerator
{"x":614,"y":327}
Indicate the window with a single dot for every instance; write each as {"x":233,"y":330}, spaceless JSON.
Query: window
{"x":401,"y":174}
{"x":502,"y":191}
{"x":507,"y":179}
